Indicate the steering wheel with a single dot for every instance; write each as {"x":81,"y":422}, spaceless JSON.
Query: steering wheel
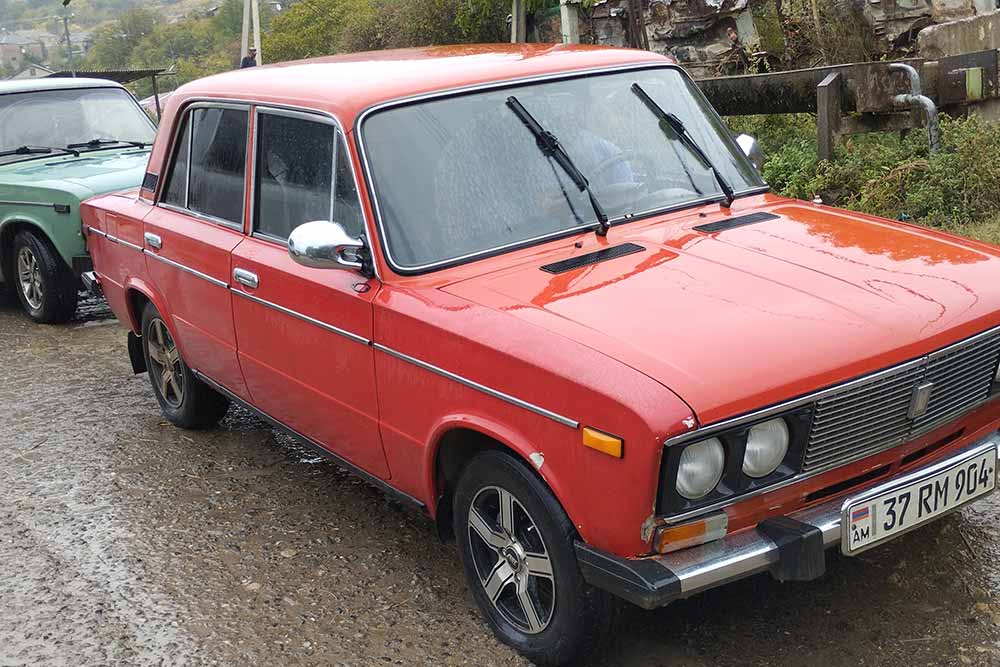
{"x":621,"y":157}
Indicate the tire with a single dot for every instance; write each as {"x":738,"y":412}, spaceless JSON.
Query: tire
{"x":569,"y":618}
{"x":185,"y":400}
{"x":45,"y":286}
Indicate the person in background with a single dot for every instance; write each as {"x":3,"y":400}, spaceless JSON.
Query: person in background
{"x":250,"y":59}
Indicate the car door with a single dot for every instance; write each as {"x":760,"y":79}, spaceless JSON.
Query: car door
{"x":304,"y":333}
{"x":191,"y":232}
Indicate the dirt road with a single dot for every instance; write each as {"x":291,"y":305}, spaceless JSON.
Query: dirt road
{"x":125,"y":541}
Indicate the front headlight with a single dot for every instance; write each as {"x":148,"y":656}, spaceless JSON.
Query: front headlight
{"x":767,"y":444}
{"x":718,"y":464}
{"x":700,"y":468}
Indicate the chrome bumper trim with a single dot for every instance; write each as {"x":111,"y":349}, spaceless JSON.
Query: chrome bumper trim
{"x":690,"y":571}
{"x":749,"y":552}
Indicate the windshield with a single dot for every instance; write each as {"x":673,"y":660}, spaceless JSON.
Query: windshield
{"x":58,"y":118}
{"x":463,"y":175}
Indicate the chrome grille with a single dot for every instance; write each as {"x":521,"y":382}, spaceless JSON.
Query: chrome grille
{"x":871,"y":415}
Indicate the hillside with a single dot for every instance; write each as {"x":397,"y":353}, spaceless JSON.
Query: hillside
{"x":17,"y":15}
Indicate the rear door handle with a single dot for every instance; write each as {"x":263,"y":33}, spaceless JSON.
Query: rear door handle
{"x":153,"y":241}
{"x":246,"y":278}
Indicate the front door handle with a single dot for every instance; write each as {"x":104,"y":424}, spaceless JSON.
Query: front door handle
{"x":153,"y":240}
{"x":246,"y":278}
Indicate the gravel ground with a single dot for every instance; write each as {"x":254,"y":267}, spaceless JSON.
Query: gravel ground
{"x":125,"y":541}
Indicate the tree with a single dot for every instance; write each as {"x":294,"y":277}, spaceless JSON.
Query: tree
{"x":113,"y":45}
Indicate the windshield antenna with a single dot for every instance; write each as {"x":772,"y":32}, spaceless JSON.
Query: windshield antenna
{"x":551,"y":148}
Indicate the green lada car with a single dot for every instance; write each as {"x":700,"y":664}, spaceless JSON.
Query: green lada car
{"x":61,"y":141}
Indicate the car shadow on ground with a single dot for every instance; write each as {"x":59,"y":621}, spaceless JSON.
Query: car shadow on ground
{"x":914,"y":599}
{"x":267,"y":554}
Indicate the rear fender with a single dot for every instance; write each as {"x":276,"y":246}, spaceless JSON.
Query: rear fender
{"x":140,"y":286}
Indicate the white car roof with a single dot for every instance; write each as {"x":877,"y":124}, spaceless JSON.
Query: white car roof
{"x":58,"y":83}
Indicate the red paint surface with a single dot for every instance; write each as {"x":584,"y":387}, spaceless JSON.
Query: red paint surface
{"x":697,"y":328}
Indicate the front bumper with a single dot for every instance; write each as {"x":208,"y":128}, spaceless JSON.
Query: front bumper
{"x":791,"y":548}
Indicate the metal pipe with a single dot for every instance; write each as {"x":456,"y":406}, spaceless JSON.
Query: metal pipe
{"x":912,"y":74}
{"x":917,"y":99}
{"x":930,"y":115}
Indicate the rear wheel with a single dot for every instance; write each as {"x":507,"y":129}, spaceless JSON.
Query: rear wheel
{"x":45,"y":286}
{"x":516,"y":545}
{"x":184,"y":399}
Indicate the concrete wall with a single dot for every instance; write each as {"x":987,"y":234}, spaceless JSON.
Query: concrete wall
{"x":977,"y":33}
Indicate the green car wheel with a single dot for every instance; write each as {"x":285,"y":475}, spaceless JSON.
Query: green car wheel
{"x":44,"y":284}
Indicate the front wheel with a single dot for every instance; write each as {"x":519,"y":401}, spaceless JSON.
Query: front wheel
{"x":516,"y":546}
{"x":184,"y":399}
{"x":45,"y":286}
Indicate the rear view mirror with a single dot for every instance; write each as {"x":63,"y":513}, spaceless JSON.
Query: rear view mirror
{"x":325,"y":245}
{"x":751,"y":149}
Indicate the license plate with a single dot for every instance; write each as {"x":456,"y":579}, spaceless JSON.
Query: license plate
{"x":872,"y":519}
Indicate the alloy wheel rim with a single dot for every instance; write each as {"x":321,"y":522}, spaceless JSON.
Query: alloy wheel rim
{"x":166,"y":362}
{"x":511,"y":560}
{"x":29,"y":275}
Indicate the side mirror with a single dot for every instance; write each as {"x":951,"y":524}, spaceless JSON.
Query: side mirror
{"x":751,"y":149}
{"x":325,"y":245}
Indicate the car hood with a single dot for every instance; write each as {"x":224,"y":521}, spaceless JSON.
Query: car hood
{"x":737,"y":319}
{"x":96,"y":172}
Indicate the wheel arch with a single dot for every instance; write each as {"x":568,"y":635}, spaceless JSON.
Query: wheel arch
{"x":8,"y":230}
{"x":137,"y":294}
{"x":455,"y":441}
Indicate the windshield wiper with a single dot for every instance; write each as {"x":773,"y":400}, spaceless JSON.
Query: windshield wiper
{"x":39,"y":150}
{"x":551,"y":148}
{"x":669,"y":120}
{"x":97,"y":143}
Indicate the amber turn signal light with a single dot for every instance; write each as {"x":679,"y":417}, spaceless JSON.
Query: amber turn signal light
{"x":673,"y":538}
{"x":603,"y":442}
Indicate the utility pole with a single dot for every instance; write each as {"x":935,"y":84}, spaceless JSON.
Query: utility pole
{"x":251,"y":14}
{"x":569,"y":21}
{"x":518,"y":22}
{"x":69,"y":43}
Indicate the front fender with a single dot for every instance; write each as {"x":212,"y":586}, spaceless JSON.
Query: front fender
{"x":506,"y":435}
{"x":62,"y":230}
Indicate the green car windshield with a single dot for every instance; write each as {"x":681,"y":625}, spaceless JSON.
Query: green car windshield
{"x":459,"y":176}
{"x":58,"y":118}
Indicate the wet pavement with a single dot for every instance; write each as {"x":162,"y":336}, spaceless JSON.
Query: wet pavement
{"x":125,"y":541}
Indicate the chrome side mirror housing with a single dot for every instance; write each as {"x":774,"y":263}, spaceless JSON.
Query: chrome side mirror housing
{"x":751,"y":149}
{"x":326,"y":245}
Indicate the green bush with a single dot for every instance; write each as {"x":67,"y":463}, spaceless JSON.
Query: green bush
{"x":887,"y":174}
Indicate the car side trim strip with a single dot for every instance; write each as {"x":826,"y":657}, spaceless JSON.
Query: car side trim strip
{"x":186,"y":269}
{"x":170,"y":262}
{"x":565,"y":421}
{"x":305,"y":318}
{"x":472,"y":384}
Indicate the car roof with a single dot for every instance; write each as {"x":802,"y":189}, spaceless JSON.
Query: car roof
{"x":347,"y":84}
{"x":56,"y":83}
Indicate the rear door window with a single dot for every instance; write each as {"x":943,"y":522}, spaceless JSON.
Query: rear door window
{"x":218,"y":163}
{"x":207,"y":175}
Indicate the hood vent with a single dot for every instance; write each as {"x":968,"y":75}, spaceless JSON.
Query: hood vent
{"x":739,"y":221}
{"x":592,"y":258}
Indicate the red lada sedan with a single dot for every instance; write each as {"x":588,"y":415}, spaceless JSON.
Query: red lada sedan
{"x":540,"y":294}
